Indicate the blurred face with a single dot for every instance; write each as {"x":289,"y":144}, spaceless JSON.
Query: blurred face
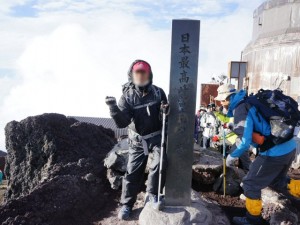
{"x":225,"y":103}
{"x":140,"y":78}
{"x":198,"y":113}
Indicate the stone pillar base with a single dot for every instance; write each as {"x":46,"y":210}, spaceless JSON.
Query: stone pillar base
{"x":201,"y":212}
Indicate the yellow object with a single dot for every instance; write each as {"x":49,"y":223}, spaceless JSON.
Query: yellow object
{"x":223,"y":118}
{"x":294,"y":188}
{"x":231,"y":137}
{"x":254,"y":206}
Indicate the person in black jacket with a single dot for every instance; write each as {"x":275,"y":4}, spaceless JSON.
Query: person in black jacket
{"x":139,"y":109}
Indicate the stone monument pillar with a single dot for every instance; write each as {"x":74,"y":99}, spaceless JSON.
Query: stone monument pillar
{"x":182,"y":99}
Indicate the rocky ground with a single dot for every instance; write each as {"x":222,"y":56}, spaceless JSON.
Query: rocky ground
{"x":232,"y":206}
{"x":56,"y":176}
{"x":235,"y":206}
{"x":111,"y":216}
{"x":206,"y":171}
{"x":3,"y":188}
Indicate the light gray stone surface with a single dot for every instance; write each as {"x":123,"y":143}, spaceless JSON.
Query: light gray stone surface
{"x":296,"y":162}
{"x":201,"y":212}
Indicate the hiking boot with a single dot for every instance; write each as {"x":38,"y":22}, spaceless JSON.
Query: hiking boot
{"x":124,"y":212}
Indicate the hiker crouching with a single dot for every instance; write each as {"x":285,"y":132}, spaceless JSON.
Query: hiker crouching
{"x":270,"y":167}
{"x":139,"y":109}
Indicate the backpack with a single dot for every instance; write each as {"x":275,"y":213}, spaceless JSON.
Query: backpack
{"x":279,"y":110}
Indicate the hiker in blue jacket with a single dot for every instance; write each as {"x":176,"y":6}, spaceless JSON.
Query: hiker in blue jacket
{"x":270,"y":167}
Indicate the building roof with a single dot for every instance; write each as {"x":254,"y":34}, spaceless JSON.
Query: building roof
{"x":105,"y":122}
{"x":2,"y":153}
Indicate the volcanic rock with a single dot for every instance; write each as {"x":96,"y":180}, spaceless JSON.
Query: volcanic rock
{"x":116,"y":163}
{"x":233,"y":180}
{"x":207,"y":167}
{"x":278,"y":209}
{"x":55,"y":171}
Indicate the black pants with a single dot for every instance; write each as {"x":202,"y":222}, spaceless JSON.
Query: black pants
{"x":244,"y":160}
{"x":137,"y":162}
{"x":267,"y":171}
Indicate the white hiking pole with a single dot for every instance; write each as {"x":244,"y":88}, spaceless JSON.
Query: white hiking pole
{"x":159,"y":205}
{"x":224,"y":163}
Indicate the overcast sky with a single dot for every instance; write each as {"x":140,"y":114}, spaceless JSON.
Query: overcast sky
{"x":65,"y":56}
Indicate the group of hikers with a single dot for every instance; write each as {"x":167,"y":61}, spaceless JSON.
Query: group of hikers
{"x":240,"y":119}
{"x":210,"y":122}
{"x":205,"y":125}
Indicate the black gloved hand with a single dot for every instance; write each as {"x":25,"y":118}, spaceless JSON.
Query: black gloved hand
{"x":110,"y":101}
{"x":164,"y":107}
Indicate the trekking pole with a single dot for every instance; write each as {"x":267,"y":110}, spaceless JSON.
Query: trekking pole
{"x":162,"y":151}
{"x":224,"y":163}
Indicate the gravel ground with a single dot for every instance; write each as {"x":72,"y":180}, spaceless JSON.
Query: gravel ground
{"x":112,"y":216}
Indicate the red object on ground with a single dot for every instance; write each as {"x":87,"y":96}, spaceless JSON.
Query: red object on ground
{"x":215,"y":138}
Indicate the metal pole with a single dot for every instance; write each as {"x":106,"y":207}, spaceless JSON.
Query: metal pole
{"x":224,"y":163}
{"x":162,"y":151}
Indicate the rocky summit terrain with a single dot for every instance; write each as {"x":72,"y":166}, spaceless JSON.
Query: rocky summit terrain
{"x":64,"y":172}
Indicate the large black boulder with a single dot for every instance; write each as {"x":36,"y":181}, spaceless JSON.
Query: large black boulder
{"x":55,"y":171}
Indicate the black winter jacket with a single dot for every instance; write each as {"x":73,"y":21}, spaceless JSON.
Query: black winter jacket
{"x":139,"y":109}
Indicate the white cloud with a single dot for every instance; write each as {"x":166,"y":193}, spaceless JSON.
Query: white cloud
{"x":72,"y":68}
{"x":67,"y":62}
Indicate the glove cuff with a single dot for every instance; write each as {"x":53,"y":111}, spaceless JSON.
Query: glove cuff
{"x":113,"y":109}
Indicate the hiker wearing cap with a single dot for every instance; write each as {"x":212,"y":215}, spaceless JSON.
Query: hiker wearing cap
{"x":139,"y":109}
{"x":225,"y":92}
{"x":208,"y":124}
{"x":270,"y":167}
